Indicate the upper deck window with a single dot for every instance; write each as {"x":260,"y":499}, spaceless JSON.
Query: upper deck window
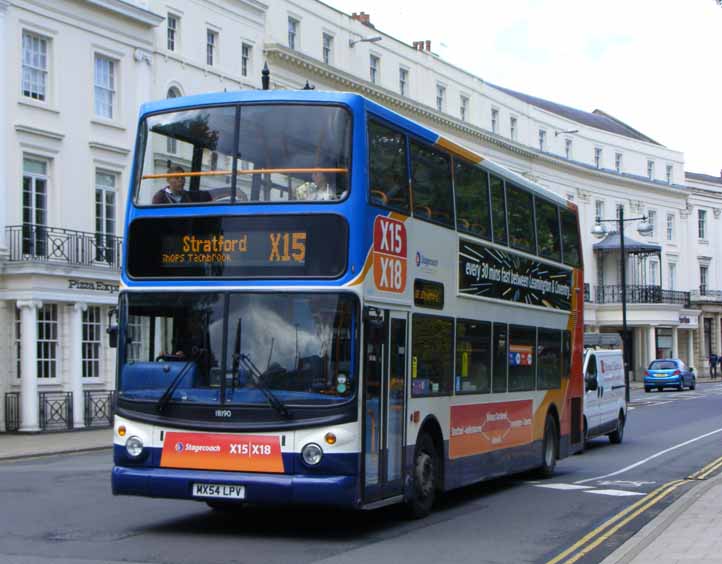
{"x":249,"y":154}
{"x":388,"y":175}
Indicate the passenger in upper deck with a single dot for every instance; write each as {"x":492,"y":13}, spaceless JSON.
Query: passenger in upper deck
{"x":320,"y":188}
{"x":173,"y":193}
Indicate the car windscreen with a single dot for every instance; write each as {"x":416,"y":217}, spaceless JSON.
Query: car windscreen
{"x":663,"y":365}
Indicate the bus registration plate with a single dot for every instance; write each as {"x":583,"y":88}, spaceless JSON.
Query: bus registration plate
{"x":219,"y":490}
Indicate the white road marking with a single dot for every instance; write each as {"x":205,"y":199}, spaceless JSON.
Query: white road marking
{"x":645,"y":460}
{"x":562,"y":486}
{"x":625,"y":483}
{"x":617,"y":493}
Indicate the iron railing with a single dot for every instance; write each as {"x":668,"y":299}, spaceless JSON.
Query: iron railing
{"x":56,"y":410}
{"x":98,"y":408}
{"x":706,"y":295}
{"x":12,"y":411}
{"x":640,"y":295}
{"x":37,"y":243}
{"x":587,"y":292}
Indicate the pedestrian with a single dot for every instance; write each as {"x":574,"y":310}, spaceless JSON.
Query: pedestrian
{"x":713,"y":358}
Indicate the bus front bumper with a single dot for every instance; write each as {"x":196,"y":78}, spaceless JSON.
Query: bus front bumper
{"x":265,"y":489}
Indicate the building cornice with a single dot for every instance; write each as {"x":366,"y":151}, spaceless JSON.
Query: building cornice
{"x":123,"y":8}
{"x":278,"y":53}
{"x":54,"y":135}
{"x":109,"y":148}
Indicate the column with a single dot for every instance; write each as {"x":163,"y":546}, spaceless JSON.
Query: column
{"x":702,"y":364}
{"x":675,"y":343}
{"x":651,"y":345}
{"x":690,"y":348}
{"x":29,"y":416}
{"x":76,"y":364}
{"x":716,"y":335}
{"x":4,"y":125}
{"x":143,"y":77}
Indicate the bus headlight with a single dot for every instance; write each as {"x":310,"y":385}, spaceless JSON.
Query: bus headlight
{"x":134,"y":446}
{"x":311,"y":454}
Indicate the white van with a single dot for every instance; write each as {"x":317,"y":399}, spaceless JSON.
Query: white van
{"x":605,"y":405}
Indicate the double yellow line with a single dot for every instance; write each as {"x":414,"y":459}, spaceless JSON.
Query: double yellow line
{"x":593,"y":539}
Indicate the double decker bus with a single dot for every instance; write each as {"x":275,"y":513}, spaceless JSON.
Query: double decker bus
{"x":324,"y":302}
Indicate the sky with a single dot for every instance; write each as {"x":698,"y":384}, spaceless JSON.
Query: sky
{"x":654,"y":64}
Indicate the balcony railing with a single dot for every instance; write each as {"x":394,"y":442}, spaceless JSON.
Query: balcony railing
{"x":704,"y":294}
{"x":640,"y":295}
{"x":37,"y":243}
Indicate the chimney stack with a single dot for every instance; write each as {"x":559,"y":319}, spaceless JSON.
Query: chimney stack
{"x":423,"y":45}
{"x":364,"y":18}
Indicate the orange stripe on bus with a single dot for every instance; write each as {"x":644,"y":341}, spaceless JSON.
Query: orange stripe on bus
{"x":243,"y":171}
{"x":458,"y":150}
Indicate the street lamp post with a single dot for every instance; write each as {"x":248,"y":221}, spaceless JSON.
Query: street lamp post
{"x":599,"y":230}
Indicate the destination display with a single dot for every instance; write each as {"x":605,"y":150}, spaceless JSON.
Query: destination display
{"x":238,"y":247}
{"x":503,"y":275}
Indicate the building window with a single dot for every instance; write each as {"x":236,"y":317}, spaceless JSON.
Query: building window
{"x":172,"y":32}
{"x":292,"y":32}
{"x":618,"y":162}
{"x":91,"y":342}
{"x":211,"y":47}
{"x":598,"y":157}
{"x":105,"y":196}
{"x":652,"y":219}
{"x":327,"y":48}
{"x":440,"y":97}
{"x":542,"y":139}
{"x":171,"y":143}
{"x":702,"y":224}
{"x":35,"y":207}
{"x":104,"y":86}
{"x":35,"y":66}
{"x":599,"y":209}
{"x":494,"y":120}
{"x":672,"y":275}
{"x":670,"y":227}
{"x":650,"y":170}
{"x":512,"y":128}
{"x":568,"y":148}
{"x":246,"y":50}
{"x":653,"y":266}
{"x":669,"y":174}
{"x":703,"y":270}
{"x":47,"y":341}
{"x":373,"y":68}
{"x":403,"y":80}
{"x":463,"y":107}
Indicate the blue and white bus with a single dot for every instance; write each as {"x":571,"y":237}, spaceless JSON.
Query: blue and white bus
{"x":324,"y":302}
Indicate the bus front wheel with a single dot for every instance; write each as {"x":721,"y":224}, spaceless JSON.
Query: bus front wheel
{"x":426,"y":471}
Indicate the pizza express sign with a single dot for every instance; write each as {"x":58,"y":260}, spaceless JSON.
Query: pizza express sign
{"x":493,"y":273}
{"x":93,"y":285}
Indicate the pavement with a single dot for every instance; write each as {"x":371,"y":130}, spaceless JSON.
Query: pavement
{"x":689,"y":530}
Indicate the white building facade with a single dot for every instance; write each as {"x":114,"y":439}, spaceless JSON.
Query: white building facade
{"x":75,"y":72}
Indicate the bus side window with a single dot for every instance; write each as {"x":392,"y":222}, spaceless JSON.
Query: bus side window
{"x":388,"y":178}
{"x":500,"y":358}
{"x":431,"y":184}
{"x":521,"y":219}
{"x":472,"y":200}
{"x":498,"y":210}
{"x":570,"y":239}
{"x":549,"y":373}
{"x":547,"y":224}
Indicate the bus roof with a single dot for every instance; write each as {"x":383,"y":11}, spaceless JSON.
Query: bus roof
{"x":352,"y":100}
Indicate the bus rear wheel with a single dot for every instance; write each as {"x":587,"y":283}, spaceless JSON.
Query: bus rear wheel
{"x":425,"y":477}
{"x":550,"y":448}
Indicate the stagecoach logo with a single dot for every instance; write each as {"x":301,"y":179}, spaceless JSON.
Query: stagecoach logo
{"x":179,"y":446}
{"x":425,"y":263}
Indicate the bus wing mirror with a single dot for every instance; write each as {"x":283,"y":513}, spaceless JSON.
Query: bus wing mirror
{"x":112,"y":329}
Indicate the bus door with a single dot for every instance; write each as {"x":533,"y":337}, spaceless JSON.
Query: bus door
{"x":385,"y":354}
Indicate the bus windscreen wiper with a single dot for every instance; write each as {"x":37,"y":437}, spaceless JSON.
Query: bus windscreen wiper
{"x":168,"y":393}
{"x":257,"y":379}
